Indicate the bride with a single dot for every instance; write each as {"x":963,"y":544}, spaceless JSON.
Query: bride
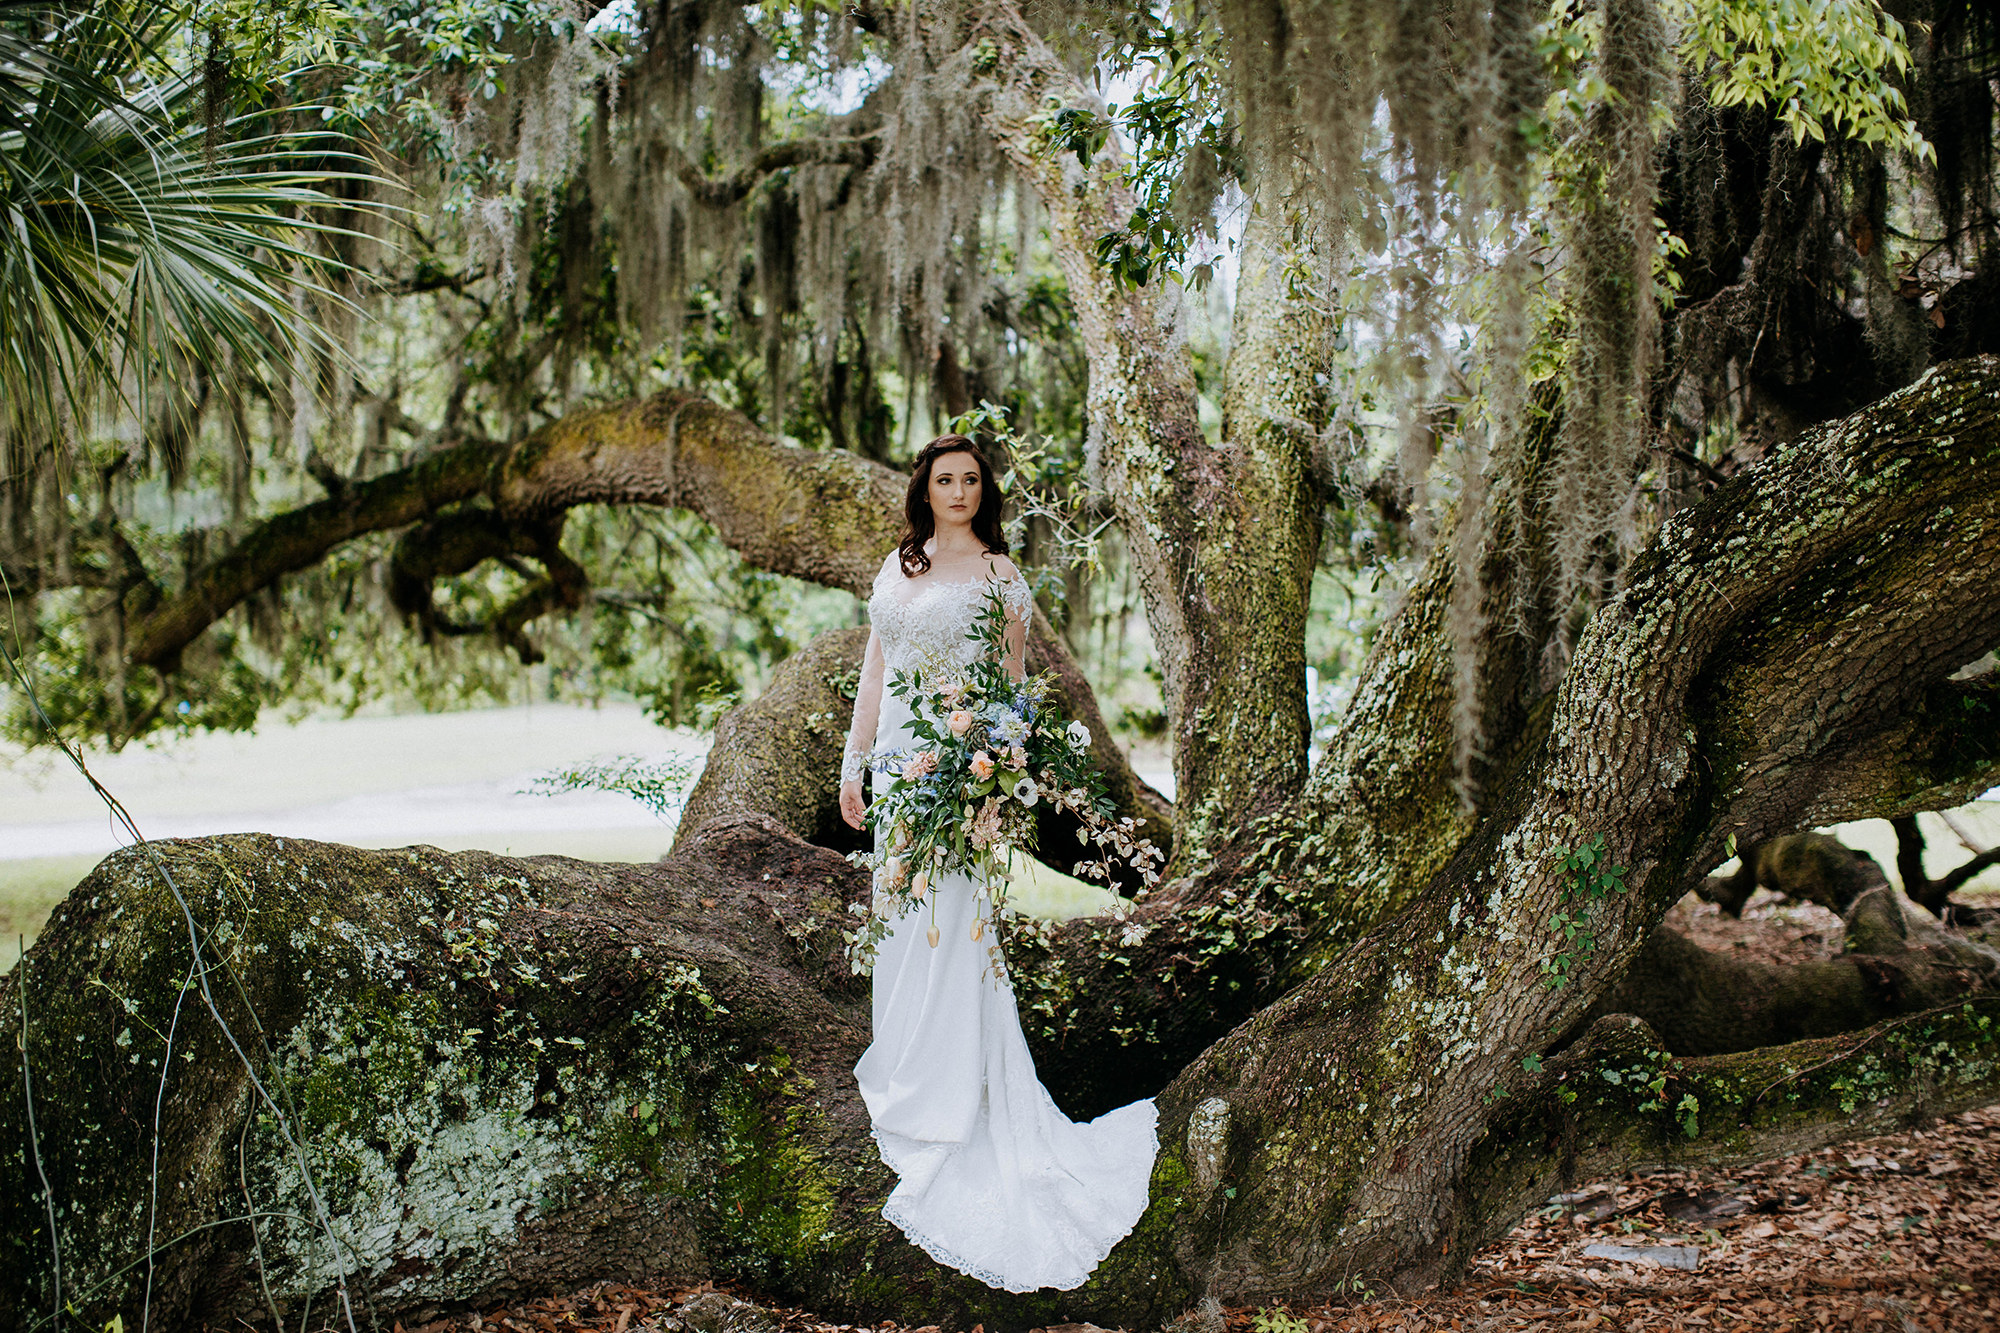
{"x":994,"y":1180}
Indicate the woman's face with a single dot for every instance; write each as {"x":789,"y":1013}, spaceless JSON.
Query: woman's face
{"x":955,"y":486}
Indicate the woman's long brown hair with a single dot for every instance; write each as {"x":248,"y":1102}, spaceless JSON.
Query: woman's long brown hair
{"x":922,"y":523}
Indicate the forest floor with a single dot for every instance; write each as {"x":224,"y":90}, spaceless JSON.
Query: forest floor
{"x":1899,"y":1233}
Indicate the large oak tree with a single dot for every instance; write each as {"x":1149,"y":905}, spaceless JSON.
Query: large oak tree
{"x":1379,"y":995}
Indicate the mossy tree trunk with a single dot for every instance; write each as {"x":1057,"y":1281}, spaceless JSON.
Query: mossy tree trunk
{"x":1223,"y":534}
{"x":511,"y":1075}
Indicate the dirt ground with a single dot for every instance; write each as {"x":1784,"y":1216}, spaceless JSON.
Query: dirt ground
{"x":1897,"y":1234}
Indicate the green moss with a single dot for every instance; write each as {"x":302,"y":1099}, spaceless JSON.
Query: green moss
{"x":778,"y":1199}
{"x":443,"y":1073}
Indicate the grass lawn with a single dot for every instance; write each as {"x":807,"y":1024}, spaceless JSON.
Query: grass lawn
{"x":29,"y":891}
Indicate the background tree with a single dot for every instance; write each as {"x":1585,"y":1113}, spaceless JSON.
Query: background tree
{"x":1378,"y":999}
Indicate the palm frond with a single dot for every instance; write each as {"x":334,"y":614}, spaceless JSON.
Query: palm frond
{"x":135,"y":241}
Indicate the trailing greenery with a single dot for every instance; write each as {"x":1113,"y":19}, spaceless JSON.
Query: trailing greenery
{"x":661,"y":785}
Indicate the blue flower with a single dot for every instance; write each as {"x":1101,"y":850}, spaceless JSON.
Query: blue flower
{"x":1008,"y":727}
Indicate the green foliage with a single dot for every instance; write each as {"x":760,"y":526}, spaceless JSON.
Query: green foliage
{"x":1184,"y":145}
{"x":140,"y":230}
{"x":1277,"y":1319}
{"x":1827,"y":66}
{"x":1591,"y":877}
{"x":60,"y":659}
{"x":1648,"y":1080}
{"x":661,"y":785}
{"x":413,"y":67}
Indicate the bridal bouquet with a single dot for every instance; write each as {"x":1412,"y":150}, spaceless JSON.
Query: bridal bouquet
{"x":987,"y":750}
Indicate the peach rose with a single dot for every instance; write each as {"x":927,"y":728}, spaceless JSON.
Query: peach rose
{"x":982,"y":765}
{"x":960,"y":721}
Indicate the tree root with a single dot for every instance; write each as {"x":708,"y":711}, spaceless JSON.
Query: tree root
{"x":1617,"y":1099}
{"x":1702,"y":1002}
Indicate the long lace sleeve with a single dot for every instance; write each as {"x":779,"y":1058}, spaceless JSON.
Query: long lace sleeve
{"x":867,"y":713}
{"x":1020,"y":604}
{"x":1019,"y":601}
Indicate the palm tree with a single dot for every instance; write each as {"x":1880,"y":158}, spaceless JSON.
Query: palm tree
{"x":139,"y":237}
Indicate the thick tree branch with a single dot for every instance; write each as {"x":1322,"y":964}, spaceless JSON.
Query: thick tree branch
{"x":824,"y":517}
{"x":721,"y":192}
{"x":1808,"y":867}
{"x":820,"y":515}
{"x":449,"y":544}
{"x":1941,"y":752}
{"x":300,"y":539}
{"x":1702,"y":1002}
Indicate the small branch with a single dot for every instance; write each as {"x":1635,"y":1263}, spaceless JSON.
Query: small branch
{"x":1966,"y":838}
{"x":1956,"y":879}
{"x":1869,"y":1039}
{"x":564,"y":589}
{"x":1910,"y":857}
{"x":1707,"y":470}
{"x":329,"y":477}
{"x":128,"y":573}
{"x":434,"y":280}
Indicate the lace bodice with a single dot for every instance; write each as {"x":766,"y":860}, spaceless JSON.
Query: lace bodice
{"x":928,"y":618}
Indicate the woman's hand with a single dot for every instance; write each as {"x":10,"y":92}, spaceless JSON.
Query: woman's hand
{"x":850,"y":802}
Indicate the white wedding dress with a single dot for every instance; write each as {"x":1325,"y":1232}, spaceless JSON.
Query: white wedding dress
{"x":995,"y":1180}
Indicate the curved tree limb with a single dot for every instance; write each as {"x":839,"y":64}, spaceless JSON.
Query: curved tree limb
{"x":825,"y":516}
{"x":300,"y":539}
{"x":720,"y":192}
{"x":820,"y":516}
